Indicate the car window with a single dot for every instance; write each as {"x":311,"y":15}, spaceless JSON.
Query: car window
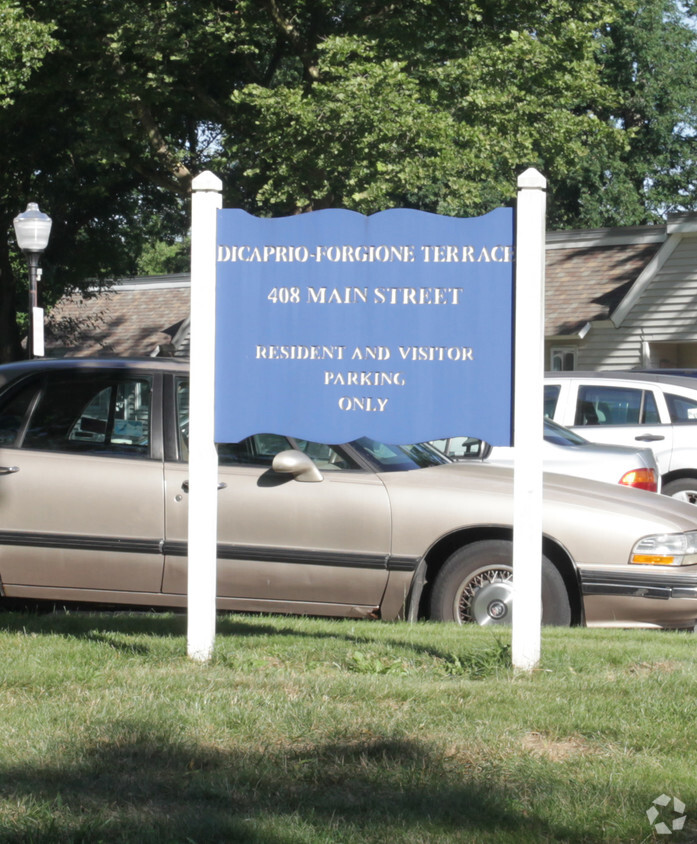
{"x":609,"y":405}
{"x":681,"y":408}
{"x":551,"y":398}
{"x":13,"y":413}
{"x":398,"y":458}
{"x":559,"y":435}
{"x":102,"y":413}
{"x":325,"y":457}
{"x":259,"y":449}
{"x":460,"y":447}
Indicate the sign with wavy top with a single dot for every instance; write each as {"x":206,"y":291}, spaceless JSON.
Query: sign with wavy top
{"x":332,"y":325}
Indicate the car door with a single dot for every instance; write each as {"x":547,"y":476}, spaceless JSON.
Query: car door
{"x":81,"y":486}
{"x":318,"y":546}
{"x":619,"y":412}
{"x":682,"y":409}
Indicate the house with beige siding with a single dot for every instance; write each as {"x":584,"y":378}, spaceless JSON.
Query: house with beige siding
{"x":622,"y":298}
{"x":616,"y":298}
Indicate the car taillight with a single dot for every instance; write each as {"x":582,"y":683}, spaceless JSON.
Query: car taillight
{"x":641,"y":479}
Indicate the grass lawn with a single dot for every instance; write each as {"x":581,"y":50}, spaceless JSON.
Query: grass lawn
{"x":313,"y":730}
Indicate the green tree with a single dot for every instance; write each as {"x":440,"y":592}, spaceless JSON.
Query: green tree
{"x":83,"y":141}
{"x":23,"y":46}
{"x":108,"y":109}
{"x":24,"y":43}
{"x":648,"y":58}
{"x":438,"y":106}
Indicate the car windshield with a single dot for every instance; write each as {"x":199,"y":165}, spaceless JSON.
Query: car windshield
{"x":559,"y":435}
{"x":398,"y":458}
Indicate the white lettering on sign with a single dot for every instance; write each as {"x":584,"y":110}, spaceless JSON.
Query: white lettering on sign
{"x":454,"y":353}
{"x":263,"y":254}
{"x":371,"y":353}
{"x":367,"y":404}
{"x":300,"y":352}
{"x":362,"y":295}
{"x":450,"y":254}
{"x":284,"y":295}
{"x":364,"y":379}
{"x":365,"y":254}
{"x":417,"y":295}
{"x":337,"y":295}
{"x":376,"y":377}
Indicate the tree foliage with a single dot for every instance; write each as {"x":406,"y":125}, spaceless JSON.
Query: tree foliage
{"x":443,"y":122}
{"x":649,"y":58}
{"x":24,"y":44}
{"x":108,"y":109}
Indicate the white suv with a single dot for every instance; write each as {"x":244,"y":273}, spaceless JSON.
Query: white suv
{"x":633,"y":408}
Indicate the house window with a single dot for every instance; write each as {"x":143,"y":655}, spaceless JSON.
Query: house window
{"x":562,"y":360}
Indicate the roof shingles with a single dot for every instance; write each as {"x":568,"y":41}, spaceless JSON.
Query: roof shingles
{"x":587,"y":275}
{"x":128,"y":322}
{"x":584,"y":284}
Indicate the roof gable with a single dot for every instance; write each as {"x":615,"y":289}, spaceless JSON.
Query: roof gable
{"x":589,"y":282}
{"x":141,"y":317}
{"x":600,"y":274}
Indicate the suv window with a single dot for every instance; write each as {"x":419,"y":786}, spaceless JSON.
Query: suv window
{"x":600,"y":405}
{"x":551,"y":398}
{"x":681,"y":408}
{"x":101,"y":413}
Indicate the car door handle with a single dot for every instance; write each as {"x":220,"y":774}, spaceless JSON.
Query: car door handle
{"x":8,"y":470}
{"x":649,"y":438}
{"x":185,"y":486}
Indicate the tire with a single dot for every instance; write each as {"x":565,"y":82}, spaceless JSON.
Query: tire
{"x":684,"y":489}
{"x":475,"y":586}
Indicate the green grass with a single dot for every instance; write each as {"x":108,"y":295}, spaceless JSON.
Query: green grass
{"x":311,"y":730}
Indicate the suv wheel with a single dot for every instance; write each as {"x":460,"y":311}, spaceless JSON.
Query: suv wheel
{"x":684,"y":489}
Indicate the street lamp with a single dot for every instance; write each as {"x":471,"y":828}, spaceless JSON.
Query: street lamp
{"x":32,"y":229}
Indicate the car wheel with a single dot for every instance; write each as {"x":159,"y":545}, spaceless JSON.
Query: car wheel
{"x":684,"y":489}
{"x":475,"y":586}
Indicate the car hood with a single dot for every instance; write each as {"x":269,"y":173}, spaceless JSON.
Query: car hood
{"x":596,"y":522}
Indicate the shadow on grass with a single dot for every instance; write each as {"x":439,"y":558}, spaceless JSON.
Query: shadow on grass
{"x":96,"y":625}
{"x":138,"y":786}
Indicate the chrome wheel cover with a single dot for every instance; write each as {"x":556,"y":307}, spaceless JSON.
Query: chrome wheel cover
{"x":687,"y":495}
{"x":486,"y":597}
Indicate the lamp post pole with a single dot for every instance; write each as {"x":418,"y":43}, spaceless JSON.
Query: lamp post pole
{"x":32,"y":229}
{"x":33,"y":265}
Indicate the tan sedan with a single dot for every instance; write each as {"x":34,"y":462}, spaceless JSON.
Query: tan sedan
{"x":93,"y":504}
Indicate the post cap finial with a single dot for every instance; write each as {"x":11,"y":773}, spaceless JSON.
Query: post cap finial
{"x":207,"y":181}
{"x":532,"y":178}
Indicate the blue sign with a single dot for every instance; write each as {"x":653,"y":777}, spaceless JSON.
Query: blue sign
{"x":332,"y":325}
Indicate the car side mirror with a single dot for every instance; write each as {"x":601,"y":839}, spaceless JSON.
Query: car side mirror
{"x":294,"y":462}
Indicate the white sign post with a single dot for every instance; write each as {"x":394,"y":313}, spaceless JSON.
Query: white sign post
{"x":528,"y":419}
{"x":529,"y":357}
{"x":203,"y":456}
